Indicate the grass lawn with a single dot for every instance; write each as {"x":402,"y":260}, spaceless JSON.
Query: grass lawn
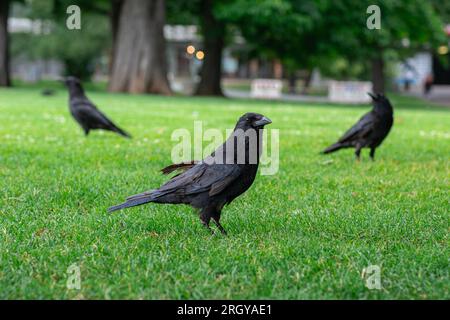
{"x":306,"y":232}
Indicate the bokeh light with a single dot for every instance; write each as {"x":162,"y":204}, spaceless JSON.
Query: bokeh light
{"x":200,"y":55}
{"x":190,"y":49}
{"x":443,"y":50}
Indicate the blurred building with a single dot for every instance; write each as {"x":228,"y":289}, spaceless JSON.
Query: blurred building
{"x":184,"y":57}
{"x":32,"y":70}
{"x":412,"y":74}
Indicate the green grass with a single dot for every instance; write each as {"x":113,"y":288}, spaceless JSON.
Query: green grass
{"x":305,"y":233}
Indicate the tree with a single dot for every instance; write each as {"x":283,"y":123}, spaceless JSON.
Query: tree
{"x":406,"y":27}
{"x":114,"y":14}
{"x":139,"y":64}
{"x":308,"y":33}
{"x":100,"y":8}
{"x":80,"y":55}
{"x":4,"y":44}
{"x":287,"y":30}
{"x":213,"y":31}
{"x":213,"y":28}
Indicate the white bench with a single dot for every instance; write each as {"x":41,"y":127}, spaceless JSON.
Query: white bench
{"x":266,"y":88}
{"x":349,"y":91}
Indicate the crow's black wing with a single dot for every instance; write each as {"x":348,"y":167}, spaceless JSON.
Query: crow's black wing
{"x":88,"y":114}
{"x":179,"y":167}
{"x":361,"y":129}
{"x":200,"y":178}
{"x":214,"y":179}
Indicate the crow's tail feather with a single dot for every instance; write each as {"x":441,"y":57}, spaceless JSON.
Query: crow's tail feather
{"x":121,"y":132}
{"x":131,"y":203}
{"x":333,"y":148}
{"x":179,"y":166}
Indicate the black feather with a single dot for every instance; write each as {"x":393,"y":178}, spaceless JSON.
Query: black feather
{"x":86,"y":113}
{"x":369,"y":131}
{"x":210,"y":184}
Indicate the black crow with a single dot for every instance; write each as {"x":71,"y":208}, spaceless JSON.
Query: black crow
{"x":48,"y":92}
{"x":85,"y":112}
{"x":210,"y":184}
{"x":370,"y":130}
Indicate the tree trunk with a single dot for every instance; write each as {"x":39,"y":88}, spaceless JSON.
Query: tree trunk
{"x":307,"y":82}
{"x":378,"y":74}
{"x":292,"y":79}
{"x":139,"y":64}
{"x":5,"y":80}
{"x":213,"y":38}
{"x":114,"y":17}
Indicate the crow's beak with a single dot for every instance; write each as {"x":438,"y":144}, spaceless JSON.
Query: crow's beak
{"x":372,"y":96}
{"x":262,"y":122}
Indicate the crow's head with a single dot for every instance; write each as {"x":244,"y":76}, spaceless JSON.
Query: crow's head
{"x":73,"y":84}
{"x":252,"y":120}
{"x":71,"y":81}
{"x":379,"y":100}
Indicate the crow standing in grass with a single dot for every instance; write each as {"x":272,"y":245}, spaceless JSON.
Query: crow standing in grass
{"x":48,"y":92}
{"x":215,"y":181}
{"x":370,"y":130}
{"x":85,"y":112}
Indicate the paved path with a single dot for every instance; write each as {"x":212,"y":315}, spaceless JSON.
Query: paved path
{"x":284,"y":96}
{"x":439,"y":94}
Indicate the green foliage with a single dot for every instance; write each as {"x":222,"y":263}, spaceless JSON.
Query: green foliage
{"x":306,"y":232}
{"x":416,"y":20}
{"x":279,"y":29}
{"x":184,"y":12}
{"x":80,"y":50}
{"x":340,"y":68}
{"x":314,"y":33}
{"x":442,"y":8}
{"x":89,"y":44}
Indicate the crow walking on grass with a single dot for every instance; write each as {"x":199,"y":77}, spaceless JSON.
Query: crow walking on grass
{"x":85,"y":112}
{"x":210,"y":184}
{"x":370,"y":130}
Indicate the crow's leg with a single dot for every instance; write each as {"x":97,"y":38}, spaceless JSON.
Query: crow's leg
{"x":358,"y":153}
{"x":205,"y":217}
{"x":86,"y":131}
{"x":220,"y":227}
{"x":216,"y":219}
{"x":215,"y":215}
{"x":372,"y":154}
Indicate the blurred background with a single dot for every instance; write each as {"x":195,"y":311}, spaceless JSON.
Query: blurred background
{"x":286,"y":49}
{"x":308,"y":232}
